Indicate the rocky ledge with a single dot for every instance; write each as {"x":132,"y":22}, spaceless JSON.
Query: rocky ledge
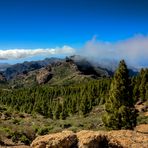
{"x":44,"y":75}
{"x":93,"y":139}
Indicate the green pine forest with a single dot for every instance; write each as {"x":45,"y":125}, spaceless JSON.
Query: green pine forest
{"x":59,"y":102}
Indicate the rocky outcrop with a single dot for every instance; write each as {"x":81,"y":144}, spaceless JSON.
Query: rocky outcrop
{"x":65,"y":139}
{"x":68,"y":139}
{"x":44,"y":75}
{"x":86,"y":67}
{"x":93,"y":139}
{"x":142,"y":128}
{"x":130,"y":139}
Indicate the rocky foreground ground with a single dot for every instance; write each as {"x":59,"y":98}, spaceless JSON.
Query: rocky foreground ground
{"x":92,"y":139}
{"x":95,"y":139}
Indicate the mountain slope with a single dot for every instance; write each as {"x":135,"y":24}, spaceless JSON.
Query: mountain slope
{"x":73,"y":69}
{"x":59,"y":73}
{"x":4,"y":66}
{"x":16,"y":69}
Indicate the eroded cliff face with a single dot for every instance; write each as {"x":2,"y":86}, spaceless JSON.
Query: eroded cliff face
{"x":44,"y":75}
{"x":94,"y":139}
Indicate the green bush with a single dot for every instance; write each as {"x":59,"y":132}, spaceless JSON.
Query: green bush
{"x":16,"y":121}
{"x":44,"y":130}
{"x":142,"y":119}
{"x":24,"y":140}
{"x":15,"y":136}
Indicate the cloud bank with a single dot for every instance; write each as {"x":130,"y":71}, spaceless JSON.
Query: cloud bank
{"x":134,"y":50}
{"x":25,"y":53}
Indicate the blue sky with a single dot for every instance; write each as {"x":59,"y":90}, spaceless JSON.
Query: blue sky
{"x":33,"y":24}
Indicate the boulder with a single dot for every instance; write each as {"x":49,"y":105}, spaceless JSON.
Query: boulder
{"x":65,"y":139}
{"x":68,"y":139}
{"x":94,"y":139}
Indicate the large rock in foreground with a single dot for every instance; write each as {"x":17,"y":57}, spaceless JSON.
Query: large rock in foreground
{"x":93,"y":139}
{"x":68,"y":139}
{"x":65,"y":139}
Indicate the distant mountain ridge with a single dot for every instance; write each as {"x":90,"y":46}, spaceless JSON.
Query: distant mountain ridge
{"x":4,"y":66}
{"x":57,"y":71}
{"x":24,"y":67}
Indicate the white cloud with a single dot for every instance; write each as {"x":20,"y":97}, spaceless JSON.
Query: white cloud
{"x":24,"y":53}
{"x":134,"y":50}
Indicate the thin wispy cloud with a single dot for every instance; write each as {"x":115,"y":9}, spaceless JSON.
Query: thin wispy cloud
{"x":134,"y":50}
{"x":25,"y":53}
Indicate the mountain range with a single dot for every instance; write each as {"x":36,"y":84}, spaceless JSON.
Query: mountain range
{"x":57,"y":71}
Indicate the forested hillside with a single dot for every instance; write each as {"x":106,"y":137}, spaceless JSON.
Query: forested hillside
{"x":72,"y":99}
{"x":58,"y":101}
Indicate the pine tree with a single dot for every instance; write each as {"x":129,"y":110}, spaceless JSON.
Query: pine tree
{"x":120,"y":111}
{"x":143,"y":85}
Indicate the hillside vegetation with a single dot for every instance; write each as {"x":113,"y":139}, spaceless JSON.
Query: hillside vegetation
{"x":66,"y":95}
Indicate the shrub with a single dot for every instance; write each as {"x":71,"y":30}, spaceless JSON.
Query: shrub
{"x":44,"y":130}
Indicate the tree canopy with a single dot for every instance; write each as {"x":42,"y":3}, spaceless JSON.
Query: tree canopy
{"x":120,"y":111}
